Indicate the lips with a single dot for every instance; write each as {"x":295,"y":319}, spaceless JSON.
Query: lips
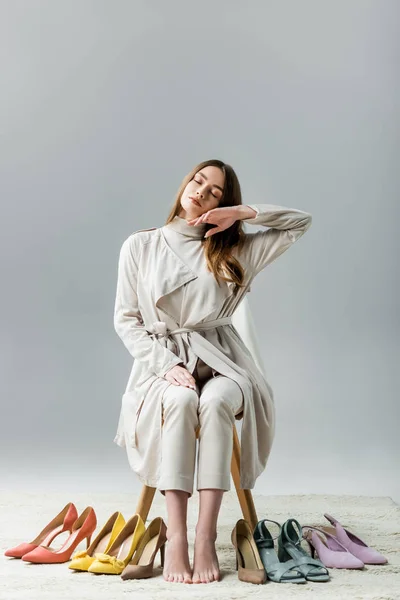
{"x":194,"y":200}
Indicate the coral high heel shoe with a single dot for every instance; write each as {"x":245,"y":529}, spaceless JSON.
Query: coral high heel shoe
{"x":82,"y":528}
{"x":62,"y":522}
{"x":368,"y":555}
{"x":82,"y":560}
{"x":122,"y":549}
{"x":153,"y":540}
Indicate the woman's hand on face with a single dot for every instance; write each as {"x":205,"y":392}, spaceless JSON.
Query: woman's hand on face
{"x":222,"y":217}
{"x":180,"y":376}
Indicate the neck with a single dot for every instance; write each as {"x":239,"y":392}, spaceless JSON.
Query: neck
{"x":180,"y":225}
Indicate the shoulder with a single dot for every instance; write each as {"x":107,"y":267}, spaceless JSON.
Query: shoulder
{"x":134,"y":243}
{"x":141,"y":236}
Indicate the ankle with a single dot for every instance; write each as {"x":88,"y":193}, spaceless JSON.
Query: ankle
{"x":177,"y":532}
{"x":206,"y":535}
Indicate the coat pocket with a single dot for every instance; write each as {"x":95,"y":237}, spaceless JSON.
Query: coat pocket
{"x":132,"y":404}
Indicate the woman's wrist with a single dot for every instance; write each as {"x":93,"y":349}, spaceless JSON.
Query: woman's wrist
{"x":245,"y":212}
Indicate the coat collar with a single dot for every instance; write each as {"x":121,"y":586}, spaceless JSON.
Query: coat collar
{"x":180,"y":225}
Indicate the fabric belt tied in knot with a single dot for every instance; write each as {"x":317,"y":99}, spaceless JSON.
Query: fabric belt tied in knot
{"x":160,"y":329}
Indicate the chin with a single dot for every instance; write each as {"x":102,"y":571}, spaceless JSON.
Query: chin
{"x":192,"y":210}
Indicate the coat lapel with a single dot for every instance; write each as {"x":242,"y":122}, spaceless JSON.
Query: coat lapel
{"x":175,"y":272}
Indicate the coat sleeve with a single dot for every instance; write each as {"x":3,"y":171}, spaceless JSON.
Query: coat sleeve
{"x":286,"y":225}
{"x":128,"y":322}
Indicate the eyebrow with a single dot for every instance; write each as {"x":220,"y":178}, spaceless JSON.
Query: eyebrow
{"x":215,"y":185}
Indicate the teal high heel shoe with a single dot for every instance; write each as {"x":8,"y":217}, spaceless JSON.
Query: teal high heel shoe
{"x":280,"y":572}
{"x":289,"y":548}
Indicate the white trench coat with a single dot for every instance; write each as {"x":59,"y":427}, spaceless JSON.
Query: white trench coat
{"x":149,"y":272}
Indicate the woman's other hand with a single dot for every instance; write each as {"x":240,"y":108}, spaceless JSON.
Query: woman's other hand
{"x":180,"y":376}
{"x":223,"y":217}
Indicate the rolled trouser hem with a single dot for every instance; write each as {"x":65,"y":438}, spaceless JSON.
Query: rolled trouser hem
{"x":214,"y":481}
{"x":183,"y":484}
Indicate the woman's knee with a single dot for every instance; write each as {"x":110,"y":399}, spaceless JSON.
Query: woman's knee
{"x":180,"y":397}
{"x":224,"y":395}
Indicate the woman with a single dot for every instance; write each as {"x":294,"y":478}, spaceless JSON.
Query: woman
{"x":178,"y":287}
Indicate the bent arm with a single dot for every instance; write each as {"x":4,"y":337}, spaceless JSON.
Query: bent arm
{"x":128,"y":322}
{"x":286,"y":225}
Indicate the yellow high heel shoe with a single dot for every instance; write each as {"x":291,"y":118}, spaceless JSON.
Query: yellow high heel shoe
{"x":82,"y":560}
{"x":121,"y":550}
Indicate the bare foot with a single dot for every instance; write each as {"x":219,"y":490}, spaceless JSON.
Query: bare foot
{"x":177,"y":564}
{"x":205,"y":562}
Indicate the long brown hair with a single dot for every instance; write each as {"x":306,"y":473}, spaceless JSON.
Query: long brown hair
{"x":218,"y":247}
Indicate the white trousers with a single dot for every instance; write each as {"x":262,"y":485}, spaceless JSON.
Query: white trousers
{"x":212,"y":406}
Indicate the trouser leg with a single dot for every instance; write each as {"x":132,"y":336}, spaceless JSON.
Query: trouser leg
{"x":178,"y":442}
{"x":220,"y":400}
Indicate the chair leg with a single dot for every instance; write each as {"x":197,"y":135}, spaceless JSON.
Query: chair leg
{"x":145,"y":501}
{"x":245,"y":496}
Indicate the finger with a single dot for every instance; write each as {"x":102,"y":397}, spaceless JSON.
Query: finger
{"x":200,"y":219}
{"x":203,"y":218}
{"x":188,"y":383}
{"x":186,"y":379}
{"x":212,"y":231}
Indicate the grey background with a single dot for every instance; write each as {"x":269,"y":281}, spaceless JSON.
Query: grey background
{"x":105,"y":106}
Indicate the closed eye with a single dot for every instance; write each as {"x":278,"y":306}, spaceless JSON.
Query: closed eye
{"x":211,"y":192}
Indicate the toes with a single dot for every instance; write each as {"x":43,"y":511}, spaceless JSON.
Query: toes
{"x":195,"y":578}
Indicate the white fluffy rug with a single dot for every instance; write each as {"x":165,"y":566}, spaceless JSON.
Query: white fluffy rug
{"x":375,"y":519}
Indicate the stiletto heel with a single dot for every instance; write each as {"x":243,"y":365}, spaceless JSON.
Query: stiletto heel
{"x":82,"y":528}
{"x":311,"y":547}
{"x":62,"y":522}
{"x":82,"y":560}
{"x":142,"y":562}
{"x":88,"y":541}
{"x":162,"y":554}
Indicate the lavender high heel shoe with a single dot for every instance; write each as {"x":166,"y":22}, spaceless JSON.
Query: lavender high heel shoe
{"x":357,"y":547}
{"x":330,"y":551}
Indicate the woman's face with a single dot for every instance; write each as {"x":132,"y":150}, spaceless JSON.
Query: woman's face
{"x":206,"y":187}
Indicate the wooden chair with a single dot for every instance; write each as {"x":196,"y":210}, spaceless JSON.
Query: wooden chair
{"x":244,"y":496}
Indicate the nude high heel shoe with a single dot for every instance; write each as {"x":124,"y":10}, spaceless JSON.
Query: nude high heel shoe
{"x":248,"y":562}
{"x":153,"y":540}
{"x":61,"y":522}
{"x":82,"y":560}
{"x":82,"y":528}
